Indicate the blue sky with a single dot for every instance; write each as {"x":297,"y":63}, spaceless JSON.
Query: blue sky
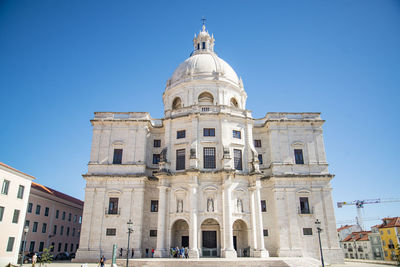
{"x":60,"y":61}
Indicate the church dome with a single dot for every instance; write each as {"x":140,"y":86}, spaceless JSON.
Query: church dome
{"x":204,"y":63}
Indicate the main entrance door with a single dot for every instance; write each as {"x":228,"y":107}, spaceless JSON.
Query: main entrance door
{"x":209,"y":243}
{"x":185,"y":241}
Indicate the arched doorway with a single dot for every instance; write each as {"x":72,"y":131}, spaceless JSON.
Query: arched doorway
{"x":180,"y":234}
{"x":210,"y":238}
{"x":240,"y":238}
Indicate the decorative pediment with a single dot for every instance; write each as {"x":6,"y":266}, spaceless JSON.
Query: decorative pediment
{"x":210,"y":188}
{"x":297,"y":144}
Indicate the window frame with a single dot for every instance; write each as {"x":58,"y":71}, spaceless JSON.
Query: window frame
{"x":156,"y":158}
{"x":117,"y":156}
{"x":38,"y":208}
{"x":263,"y":207}
{"x":157,"y":143}
{"x":10,"y":244}
{"x":304,"y":205}
{"x":180,"y":159}
{"x":111,"y":231}
{"x":237,"y":134}
{"x":298,"y":156}
{"x":153,"y":233}
{"x":15,"y":218}
{"x":257,"y":143}
{"x":181,"y":134}
{"x":237,"y":160}
{"x":153,"y":205}
{"x":20,"y":193}
{"x":5,"y":187}
{"x":209,"y":132}
{"x":307,"y":231}
{"x":265,"y":232}
{"x":113,"y":205}
{"x":209,"y":159}
{"x":260,"y":159}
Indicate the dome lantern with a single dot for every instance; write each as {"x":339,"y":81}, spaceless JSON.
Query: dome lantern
{"x":203,"y":42}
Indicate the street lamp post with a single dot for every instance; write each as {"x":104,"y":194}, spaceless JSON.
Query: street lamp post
{"x":130,"y":230}
{"x":26,"y":230}
{"x":318,"y":223}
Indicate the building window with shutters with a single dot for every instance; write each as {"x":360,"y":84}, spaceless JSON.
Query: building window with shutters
{"x":154,"y":206}
{"x":208,"y":132}
{"x":117,"y":159}
{"x":237,"y":153}
{"x":298,"y":156}
{"x":20,"y":191}
{"x":156,"y":158}
{"x":157,"y":143}
{"x":113,"y":205}
{"x":209,"y":157}
{"x":180,"y":159}
{"x":180,"y":134}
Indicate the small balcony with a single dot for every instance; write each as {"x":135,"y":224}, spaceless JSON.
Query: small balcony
{"x":113,"y":211}
{"x":350,"y":249}
{"x":305,"y":210}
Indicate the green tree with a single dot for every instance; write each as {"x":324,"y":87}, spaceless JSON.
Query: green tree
{"x":46,"y":257}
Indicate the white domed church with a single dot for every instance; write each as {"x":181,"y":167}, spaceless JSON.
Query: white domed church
{"x":208,"y":176}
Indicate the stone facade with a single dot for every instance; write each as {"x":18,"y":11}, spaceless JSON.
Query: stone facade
{"x":195,"y":178}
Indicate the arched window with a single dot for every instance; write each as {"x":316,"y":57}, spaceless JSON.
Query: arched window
{"x":206,"y":98}
{"x":234,"y":103}
{"x":177,"y":103}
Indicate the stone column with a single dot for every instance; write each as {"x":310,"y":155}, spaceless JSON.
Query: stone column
{"x":253,"y":244}
{"x":194,"y":251}
{"x":138,"y":203}
{"x":228,"y":251}
{"x":261,"y":251}
{"x":162,"y":210}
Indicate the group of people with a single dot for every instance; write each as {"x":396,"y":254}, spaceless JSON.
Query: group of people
{"x":177,"y":252}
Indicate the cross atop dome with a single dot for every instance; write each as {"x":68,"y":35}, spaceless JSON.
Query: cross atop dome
{"x":203,"y":42}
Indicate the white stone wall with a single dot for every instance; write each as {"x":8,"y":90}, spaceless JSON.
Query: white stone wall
{"x":10,"y":202}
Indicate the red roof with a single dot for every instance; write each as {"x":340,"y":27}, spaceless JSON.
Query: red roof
{"x":56,"y":193}
{"x":390,"y":222}
{"x":344,"y":227}
{"x":11,"y":168}
{"x":357,"y":236}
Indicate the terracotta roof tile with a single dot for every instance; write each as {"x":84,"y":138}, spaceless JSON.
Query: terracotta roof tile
{"x":56,"y":193}
{"x":344,"y":227}
{"x":357,"y":236}
{"x":392,"y":222}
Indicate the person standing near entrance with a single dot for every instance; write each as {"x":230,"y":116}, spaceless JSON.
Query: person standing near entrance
{"x":133,"y":253}
{"x":152,"y":252}
{"x":34,"y":259}
{"x":186,"y":252}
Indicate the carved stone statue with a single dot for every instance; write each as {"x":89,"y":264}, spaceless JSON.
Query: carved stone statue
{"x":210,"y":205}
{"x":239,"y":205}
{"x":163,"y":155}
{"x":179,"y":207}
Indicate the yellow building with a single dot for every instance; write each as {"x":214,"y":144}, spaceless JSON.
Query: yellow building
{"x":389,"y":231}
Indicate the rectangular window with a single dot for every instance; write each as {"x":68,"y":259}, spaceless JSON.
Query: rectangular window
{"x":4,"y":187}
{"x":71,"y":247}
{"x":38,"y":209}
{"x":27,"y":223}
{"x":257,"y":143}
{"x":55,"y":230}
{"x":57,"y":214}
{"x":69,"y":217}
{"x":59,"y":247}
{"x":154,"y":206}
{"x":46,"y":211}
{"x":32,"y":246}
{"x":10,"y":243}
{"x":67,"y":231}
{"x":298,"y":156}
{"x":63,"y":216}
{"x":41,"y":245}
{"x":304,"y":206}
{"x":65,"y":247}
{"x":75,"y":218}
{"x":35,"y":226}
{"x":237,"y":134}
{"x":263,"y":206}
{"x":237,"y":153}
{"x":117,"y":156}
{"x":61,"y":230}
{"x":180,"y":159}
{"x":203,"y":45}
{"x":44,"y":227}
{"x":208,"y":132}
{"x":307,"y":231}
{"x":113,"y":205}
{"x":209,"y":157}
{"x":156,"y":158}
{"x":260,"y":159}
{"x":157,"y":143}
{"x":1,"y":213}
{"x":180,"y":134}
{"x":73,"y":231}
{"x":30,"y":206}
{"x":52,"y":247}
{"x":15,"y":216}
{"x":265,"y":231}
{"x":111,"y":231}
{"x":21,"y":192}
{"x":153,"y":232}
